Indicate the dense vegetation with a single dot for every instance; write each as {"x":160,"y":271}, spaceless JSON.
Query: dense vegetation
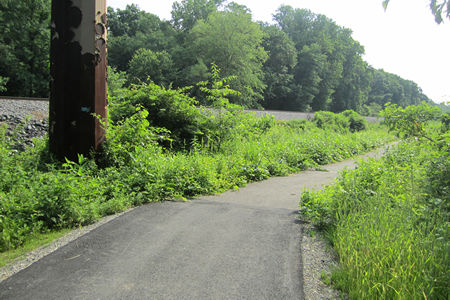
{"x":160,"y":146}
{"x":303,"y":62}
{"x":388,"y":220}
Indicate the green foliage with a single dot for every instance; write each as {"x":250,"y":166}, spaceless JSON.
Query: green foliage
{"x":38,"y":195}
{"x":145,"y":64}
{"x":131,"y":29}
{"x":186,"y":13}
{"x":386,"y":87}
{"x":188,"y":125}
{"x":24,"y":46}
{"x":278,"y":76}
{"x":116,"y":81}
{"x":3,"y":82}
{"x":346,"y":121}
{"x":232,"y":41}
{"x":125,"y":137}
{"x":167,"y":108}
{"x":356,"y":122}
{"x":411,"y":121}
{"x":331,"y":121}
{"x":438,"y":9}
{"x":330,"y":72}
{"x":216,"y":89}
{"x":388,"y":219}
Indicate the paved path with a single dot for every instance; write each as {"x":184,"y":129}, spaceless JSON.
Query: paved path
{"x":239,"y":245}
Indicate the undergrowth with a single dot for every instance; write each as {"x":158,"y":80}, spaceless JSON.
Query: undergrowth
{"x":388,"y":219}
{"x":148,"y":157}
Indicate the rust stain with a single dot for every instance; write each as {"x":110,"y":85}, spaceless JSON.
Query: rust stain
{"x":78,"y":81}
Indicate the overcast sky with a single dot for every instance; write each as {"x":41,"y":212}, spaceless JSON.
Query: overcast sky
{"x":404,"y":40}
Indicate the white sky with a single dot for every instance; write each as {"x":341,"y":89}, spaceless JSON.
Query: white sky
{"x":404,"y":40}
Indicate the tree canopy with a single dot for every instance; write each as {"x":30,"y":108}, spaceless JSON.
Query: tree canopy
{"x":303,"y":62}
{"x":24,"y":47}
{"x":232,"y":41}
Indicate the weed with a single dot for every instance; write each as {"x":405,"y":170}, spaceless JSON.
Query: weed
{"x":159,"y":146}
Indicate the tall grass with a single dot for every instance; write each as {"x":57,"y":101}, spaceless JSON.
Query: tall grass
{"x":38,"y":194}
{"x":388,"y":220}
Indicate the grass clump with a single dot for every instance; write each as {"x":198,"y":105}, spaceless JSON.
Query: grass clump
{"x":388,"y":219}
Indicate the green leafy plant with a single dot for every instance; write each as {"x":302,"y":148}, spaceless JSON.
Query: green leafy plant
{"x":216,"y":89}
{"x":348,"y":120}
{"x":411,"y":121}
{"x":116,"y":81}
{"x":3,"y":82}
{"x":388,"y":219}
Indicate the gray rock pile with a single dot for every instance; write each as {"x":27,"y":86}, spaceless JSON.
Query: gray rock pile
{"x":25,"y":120}
{"x":21,"y":132}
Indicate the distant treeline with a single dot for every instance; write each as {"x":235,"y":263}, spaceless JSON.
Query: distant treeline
{"x":303,"y":62}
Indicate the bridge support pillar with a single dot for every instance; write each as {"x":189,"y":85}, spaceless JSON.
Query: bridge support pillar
{"x":78,"y":62}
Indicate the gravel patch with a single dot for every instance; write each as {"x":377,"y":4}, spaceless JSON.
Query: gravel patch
{"x":37,"y":110}
{"x":318,"y":258}
{"x":25,"y":120}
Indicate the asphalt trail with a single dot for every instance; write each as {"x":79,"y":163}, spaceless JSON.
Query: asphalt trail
{"x":238,"y":245}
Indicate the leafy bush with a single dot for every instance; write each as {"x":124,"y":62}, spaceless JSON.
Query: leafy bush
{"x":187,"y":125}
{"x":3,"y":82}
{"x":330,"y":121}
{"x":116,"y":81}
{"x":125,"y":137}
{"x":167,"y":108}
{"x":348,"y":120}
{"x":356,"y":121}
{"x":410,"y":121}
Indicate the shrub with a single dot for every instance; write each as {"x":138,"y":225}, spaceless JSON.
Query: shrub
{"x":411,"y":121}
{"x":346,"y":121}
{"x":330,"y":121}
{"x":3,"y":82}
{"x":116,"y":81}
{"x":167,"y":108}
{"x":356,"y":122}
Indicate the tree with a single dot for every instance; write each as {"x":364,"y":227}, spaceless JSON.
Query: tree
{"x":438,"y":9}
{"x":147,"y":63}
{"x":233,"y":42}
{"x":320,"y":52}
{"x":186,"y":13}
{"x":132,"y":29}
{"x":24,"y":46}
{"x":278,"y":76}
{"x":354,"y":86}
{"x":387,"y":87}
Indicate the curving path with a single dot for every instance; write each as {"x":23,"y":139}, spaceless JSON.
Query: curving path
{"x":238,"y":245}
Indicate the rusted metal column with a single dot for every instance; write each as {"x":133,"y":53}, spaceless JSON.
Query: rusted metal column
{"x":78,"y":77}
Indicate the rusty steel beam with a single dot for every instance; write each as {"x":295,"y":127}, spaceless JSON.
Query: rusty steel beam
{"x":78,"y":62}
